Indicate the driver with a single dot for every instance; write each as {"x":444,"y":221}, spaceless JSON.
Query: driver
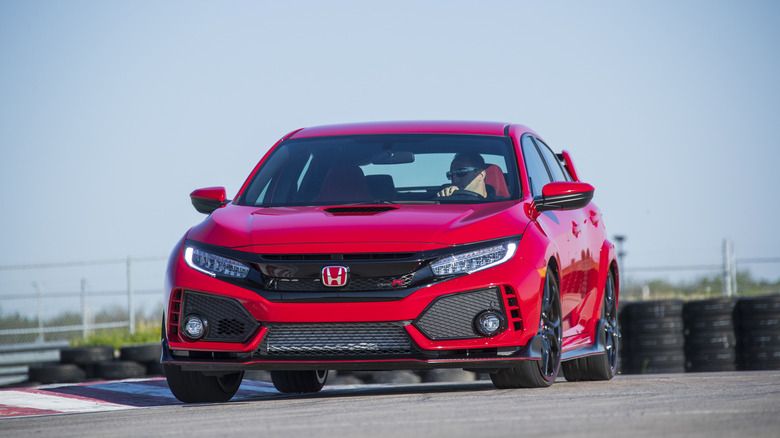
{"x":467,"y":172}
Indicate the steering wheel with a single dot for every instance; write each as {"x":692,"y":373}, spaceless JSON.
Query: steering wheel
{"x":464,"y":194}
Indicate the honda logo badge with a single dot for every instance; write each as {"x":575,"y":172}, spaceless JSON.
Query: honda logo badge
{"x":335,"y":276}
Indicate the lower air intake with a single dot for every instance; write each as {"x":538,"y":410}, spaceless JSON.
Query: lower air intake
{"x":228,"y":320}
{"x":452,"y":316}
{"x":335,"y":339}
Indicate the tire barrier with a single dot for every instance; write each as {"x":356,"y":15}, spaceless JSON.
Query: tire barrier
{"x":87,"y":358}
{"x":653,"y":340}
{"x":57,"y":373}
{"x":147,"y":355}
{"x":710,"y":338}
{"x":78,"y":364}
{"x":758,"y":333}
{"x":720,"y":334}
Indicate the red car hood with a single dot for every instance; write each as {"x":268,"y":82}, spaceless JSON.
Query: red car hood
{"x":316,"y":230}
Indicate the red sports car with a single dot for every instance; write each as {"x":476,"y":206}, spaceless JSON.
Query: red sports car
{"x":401,"y":245}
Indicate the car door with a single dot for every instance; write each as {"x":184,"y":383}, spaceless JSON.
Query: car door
{"x":565,"y":228}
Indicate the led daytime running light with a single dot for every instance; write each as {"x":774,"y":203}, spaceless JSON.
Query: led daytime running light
{"x":213,"y":265}
{"x":473,"y":261}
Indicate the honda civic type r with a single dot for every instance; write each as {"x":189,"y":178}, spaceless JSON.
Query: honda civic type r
{"x":397,"y":245}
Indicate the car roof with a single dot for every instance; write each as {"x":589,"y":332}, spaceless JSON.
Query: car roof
{"x":405,"y":127}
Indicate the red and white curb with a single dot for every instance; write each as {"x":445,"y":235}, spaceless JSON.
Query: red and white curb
{"x":104,"y":396}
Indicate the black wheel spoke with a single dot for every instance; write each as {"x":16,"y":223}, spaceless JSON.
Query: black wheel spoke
{"x":550,"y":329}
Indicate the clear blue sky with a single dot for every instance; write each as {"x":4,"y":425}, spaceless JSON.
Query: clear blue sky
{"x":112,"y":112}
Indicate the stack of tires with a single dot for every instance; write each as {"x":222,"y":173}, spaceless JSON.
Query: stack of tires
{"x":710,"y":339}
{"x":652,"y":335}
{"x":78,"y":364}
{"x":758,"y":333}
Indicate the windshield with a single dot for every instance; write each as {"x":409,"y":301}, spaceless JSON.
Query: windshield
{"x":387,"y":168}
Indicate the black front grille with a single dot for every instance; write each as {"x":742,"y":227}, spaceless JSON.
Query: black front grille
{"x":335,"y":339}
{"x":452,"y":316}
{"x":228,"y":320}
{"x":332,"y":257}
{"x":354,"y":284}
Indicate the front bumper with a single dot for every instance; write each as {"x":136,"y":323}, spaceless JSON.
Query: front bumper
{"x":477,"y":360}
{"x":429,"y":328}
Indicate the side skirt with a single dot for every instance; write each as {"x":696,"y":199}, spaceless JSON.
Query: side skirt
{"x":597,"y":347}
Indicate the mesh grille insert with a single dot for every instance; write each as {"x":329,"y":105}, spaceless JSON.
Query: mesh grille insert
{"x":228,"y":320}
{"x":452,"y":316}
{"x":335,"y":339}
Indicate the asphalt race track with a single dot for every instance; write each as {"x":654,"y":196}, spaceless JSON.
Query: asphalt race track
{"x":687,"y":405}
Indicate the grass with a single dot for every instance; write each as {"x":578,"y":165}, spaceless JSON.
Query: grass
{"x":146,"y":332}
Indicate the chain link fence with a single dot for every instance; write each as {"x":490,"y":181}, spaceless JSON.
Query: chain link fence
{"x":64,"y":301}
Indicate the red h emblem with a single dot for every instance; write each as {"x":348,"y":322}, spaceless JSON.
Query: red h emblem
{"x":334,"y":276}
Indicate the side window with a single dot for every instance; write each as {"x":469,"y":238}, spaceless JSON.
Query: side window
{"x":534,"y":165}
{"x":552,"y":161}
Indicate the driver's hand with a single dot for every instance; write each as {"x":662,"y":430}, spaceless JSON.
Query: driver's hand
{"x":447,"y":191}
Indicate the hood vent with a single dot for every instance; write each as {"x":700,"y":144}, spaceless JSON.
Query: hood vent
{"x":360,"y":210}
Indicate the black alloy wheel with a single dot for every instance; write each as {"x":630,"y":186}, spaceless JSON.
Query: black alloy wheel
{"x":601,"y":366}
{"x":539,"y":373}
{"x":551,"y":329}
{"x":611,"y":331}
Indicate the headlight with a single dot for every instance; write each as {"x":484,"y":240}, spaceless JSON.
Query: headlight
{"x":474,"y":261}
{"x":213,"y":264}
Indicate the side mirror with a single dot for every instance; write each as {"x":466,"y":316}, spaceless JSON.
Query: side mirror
{"x":209,"y":199}
{"x":564,"y":195}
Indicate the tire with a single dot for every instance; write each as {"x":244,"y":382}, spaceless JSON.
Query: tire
{"x":299,"y":382}
{"x":654,"y":310}
{"x":767,"y":306}
{"x":713,"y":360}
{"x":693,"y":310}
{"x":539,"y":373}
{"x":119,"y":370}
{"x":600,"y":366}
{"x":197,"y":387}
{"x":708,"y":324}
{"x":760,"y":339}
{"x":765,"y":323}
{"x":724,"y":341}
{"x":668,"y":362}
{"x":653,"y":342}
{"x":658,"y":326}
{"x":141,"y":353}
{"x":56,"y":373}
{"x":86,"y":355}
{"x":154,"y":369}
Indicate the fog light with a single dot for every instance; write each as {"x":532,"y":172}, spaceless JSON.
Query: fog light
{"x":489,"y":323}
{"x":195,"y":327}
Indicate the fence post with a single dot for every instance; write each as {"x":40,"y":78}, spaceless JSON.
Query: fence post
{"x":130,"y":304}
{"x":727,"y":281}
{"x":38,"y":292}
{"x":84,"y":327}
